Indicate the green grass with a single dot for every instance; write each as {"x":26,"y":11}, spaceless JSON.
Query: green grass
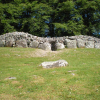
{"x":80,"y":80}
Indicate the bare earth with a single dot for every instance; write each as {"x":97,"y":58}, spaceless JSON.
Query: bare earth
{"x":43,"y":53}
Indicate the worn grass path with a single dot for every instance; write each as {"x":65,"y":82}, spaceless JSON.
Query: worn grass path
{"x":80,"y":80}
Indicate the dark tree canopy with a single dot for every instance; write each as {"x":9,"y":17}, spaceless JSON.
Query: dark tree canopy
{"x":56,"y":17}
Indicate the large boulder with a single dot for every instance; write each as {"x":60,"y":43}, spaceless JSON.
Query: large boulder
{"x":51,"y":64}
{"x":97,"y":45}
{"x":70,"y":43}
{"x":2,"y":43}
{"x":34,"y":44}
{"x":21,"y":43}
{"x":80,"y":43}
{"x":10,"y":42}
{"x":59,"y":45}
{"x":45,"y":46}
{"x":90,"y":44}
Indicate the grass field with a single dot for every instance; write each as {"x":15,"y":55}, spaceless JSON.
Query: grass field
{"x":80,"y":80}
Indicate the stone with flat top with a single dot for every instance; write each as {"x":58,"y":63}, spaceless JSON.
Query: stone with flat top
{"x":52,"y":64}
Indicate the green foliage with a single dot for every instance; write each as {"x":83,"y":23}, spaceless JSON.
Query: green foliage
{"x":60,"y":17}
{"x":89,"y":9}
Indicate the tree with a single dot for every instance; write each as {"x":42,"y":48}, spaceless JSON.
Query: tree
{"x":90,"y":12}
{"x":24,"y":16}
{"x":60,"y":17}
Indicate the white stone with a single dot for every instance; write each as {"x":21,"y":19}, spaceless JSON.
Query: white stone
{"x":97,"y":45}
{"x":59,"y":46}
{"x":51,"y":64}
{"x":34,"y":44}
{"x":70,"y":43}
{"x":80,"y":43}
{"x":45,"y":46}
{"x":90,"y":44}
{"x":2,"y":43}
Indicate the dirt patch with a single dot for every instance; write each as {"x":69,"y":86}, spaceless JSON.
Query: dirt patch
{"x":28,"y":53}
{"x":42,"y":53}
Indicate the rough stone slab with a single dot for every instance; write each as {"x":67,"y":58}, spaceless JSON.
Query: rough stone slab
{"x":97,"y":45}
{"x":10,"y":78}
{"x":90,"y":44}
{"x":80,"y":43}
{"x":70,"y":43}
{"x":34,"y":44}
{"x":2,"y":43}
{"x":21,"y":43}
{"x":59,"y":46}
{"x":51,"y":64}
{"x":10,"y":42}
{"x":45,"y":46}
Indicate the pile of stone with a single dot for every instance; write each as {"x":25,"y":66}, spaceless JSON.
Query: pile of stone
{"x":21,"y":39}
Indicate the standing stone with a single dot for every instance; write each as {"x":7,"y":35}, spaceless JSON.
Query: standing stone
{"x":51,"y":64}
{"x":45,"y":46}
{"x":34,"y":44}
{"x":21,"y":43}
{"x":90,"y":44}
{"x":70,"y":43}
{"x":59,"y":45}
{"x":80,"y":43}
{"x":97,"y":45}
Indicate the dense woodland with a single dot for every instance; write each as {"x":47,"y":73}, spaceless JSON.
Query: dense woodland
{"x":56,"y":17}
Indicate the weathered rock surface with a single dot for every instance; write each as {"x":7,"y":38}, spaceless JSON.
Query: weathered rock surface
{"x":52,"y":64}
{"x":10,"y":78}
{"x":21,"y":43}
{"x":97,"y":45}
{"x":10,"y":42}
{"x":70,"y":43}
{"x":45,"y":46}
{"x":34,"y":44}
{"x":80,"y":43}
{"x":90,"y":44}
{"x":2,"y":43}
{"x":21,"y":39}
{"x":59,"y":45}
